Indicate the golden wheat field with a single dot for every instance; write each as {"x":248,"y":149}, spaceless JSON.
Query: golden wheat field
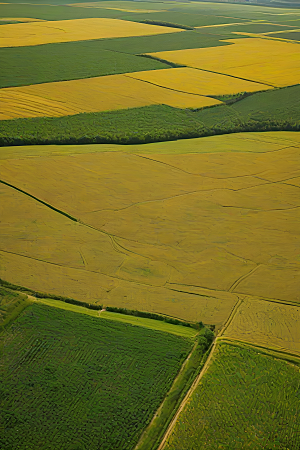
{"x":266,"y":323}
{"x":197,"y":82}
{"x":265,"y":61}
{"x":91,"y":95}
{"x":181,"y":234}
{"x":46,"y":32}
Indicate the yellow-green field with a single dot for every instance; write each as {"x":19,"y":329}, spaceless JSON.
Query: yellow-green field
{"x":268,"y":324}
{"x":91,"y":95}
{"x":184,"y":234}
{"x":45,"y":32}
{"x":272,"y":62}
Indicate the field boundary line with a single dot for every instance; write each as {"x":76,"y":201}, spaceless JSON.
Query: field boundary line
{"x":187,"y":397}
{"x":272,"y":351}
{"x":231,"y":316}
{"x":39,"y":200}
{"x":243,"y":277}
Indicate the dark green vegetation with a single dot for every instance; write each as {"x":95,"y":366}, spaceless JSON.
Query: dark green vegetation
{"x":277,"y":109}
{"x":154,"y":433}
{"x":241,"y":403}
{"x":180,"y":18}
{"x":11,"y":304}
{"x":71,"y":381}
{"x":84,"y":59}
{"x":59,"y":62}
{"x":294,"y":36}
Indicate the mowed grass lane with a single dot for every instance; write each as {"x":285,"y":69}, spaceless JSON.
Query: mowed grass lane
{"x":245,"y":400}
{"x":72,"y":380}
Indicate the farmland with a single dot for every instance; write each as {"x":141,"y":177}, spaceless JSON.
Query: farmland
{"x":240,"y":403}
{"x":261,"y":60}
{"x":149,"y":225}
{"x":71,"y":379}
{"x":268,"y":324}
{"x":91,"y":95}
{"x":272,"y":110}
{"x":36,"y":33}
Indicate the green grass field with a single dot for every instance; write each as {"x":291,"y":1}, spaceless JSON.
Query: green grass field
{"x":11,"y":304}
{"x":60,"y":62}
{"x":244,"y":400}
{"x":73,"y":381}
{"x":272,"y":110}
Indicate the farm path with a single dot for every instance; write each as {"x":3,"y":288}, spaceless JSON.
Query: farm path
{"x":187,"y":397}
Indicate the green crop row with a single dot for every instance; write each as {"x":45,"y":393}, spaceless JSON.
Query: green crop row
{"x":84,"y":59}
{"x":267,"y":111}
{"x":70,"y":379}
{"x":245,"y":400}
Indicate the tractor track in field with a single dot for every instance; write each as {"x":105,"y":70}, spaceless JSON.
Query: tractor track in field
{"x":187,"y":397}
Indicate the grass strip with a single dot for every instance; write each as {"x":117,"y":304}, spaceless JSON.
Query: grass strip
{"x":194,"y":363}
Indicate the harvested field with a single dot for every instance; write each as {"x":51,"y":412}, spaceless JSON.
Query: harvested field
{"x":36,"y":33}
{"x":229,"y":205}
{"x":197,"y":82}
{"x":276,"y":63}
{"x":244,"y":400}
{"x":268,"y":324}
{"x":91,"y":95}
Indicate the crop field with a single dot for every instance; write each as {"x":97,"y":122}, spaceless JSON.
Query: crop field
{"x":275,"y":109}
{"x":197,"y":82}
{"x":156,"y":245}
{"x":73,"y":380}
{"x":11,"y":304}
{"x":241,"y":403}
{"x":91,"y":95}
{"x":291,"y":35}
{"x":36,"y":33}
{"x":266,"y":61}
{"x":60,"y":61}
{"x":268,"y":324}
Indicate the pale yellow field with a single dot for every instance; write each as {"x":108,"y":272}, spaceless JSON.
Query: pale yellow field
{"x":46,"y":32}
{"x":272,"y":62}
{"x":91,"y":95}
{"x":197,"y":82}
{"x":266,"y":323}
{"x":203,"y":226}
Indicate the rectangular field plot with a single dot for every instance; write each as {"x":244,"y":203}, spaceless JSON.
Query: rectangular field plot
{"x":245,"y":400}
{"x":91,"y":95}
{"x":198,"y":82}
{"x":73,"y":380}
{"x":276,"y":63}
{"x":36,"y":33}
{"x":66,"y":61}
{"x":268,"y":324}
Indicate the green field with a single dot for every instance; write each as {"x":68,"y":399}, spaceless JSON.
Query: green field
{"x":73,"y":381}
{"x":287,"y":35}
{"x":245,"y":400}
{"x":84,"y":59}
{"x":272,"y":110}
{"x":11,"y":304}
{"x":60,"y":62}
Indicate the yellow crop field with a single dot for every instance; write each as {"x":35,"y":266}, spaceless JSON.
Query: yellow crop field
{"x":197,"y":82}
{"x":202,"y":225}
{"x":272,"y":62}
{"x":91,"y":95}
{"x":266,"y":323}
{"x":46,"y":32}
